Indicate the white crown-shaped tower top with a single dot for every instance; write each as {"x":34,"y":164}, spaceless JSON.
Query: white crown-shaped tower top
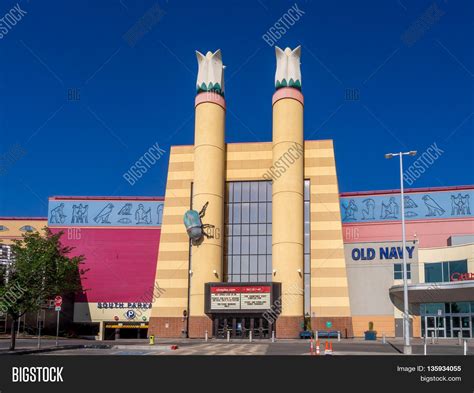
{"x":288,"y":73}
{"x":210,"y":72}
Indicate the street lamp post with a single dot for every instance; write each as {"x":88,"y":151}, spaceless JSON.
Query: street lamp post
{"x":406,"y":318}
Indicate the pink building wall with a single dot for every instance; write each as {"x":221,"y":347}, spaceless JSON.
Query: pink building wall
{"x":429,"y":233}
{"x":121,"y":262}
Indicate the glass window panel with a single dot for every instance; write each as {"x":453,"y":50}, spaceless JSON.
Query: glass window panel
{"x":262,"y":213}
{"x":269,"y":212}
{"x":236,"y":213}
{"x":236,"y":230}
{"x":253,"y":264}
{"x":307,"y":263}
{"x":253,"y":244}
{"x":307,"y":244}
{"x":433,"y":272}
{"x":245,"y":192}
{"x":269,"y":244}
{"x":229,"y":265}
{"x":262,"y":229}
{"x":460,"y":307}
{"x":262,"y":264}
{"x":229,"y":245}
{"x":307,"y":228}
{"x":245,"y":229}
{"x":269,"y":229}
{"x":253,"y":229}
{"x":253,"y":213}
{"x":447,"y":307}
{"x":237,"y":192}
{"x":244,"y":278}
{"x":254,"y":191}
{"x":262,"y":191}
{"x":269,"y":264}
{"x":245,"y":243}
{"x":236,"y":245}
{"x":446,"y":272}
{"x":269,"y":191}
{"x":253,"y":278}
{"x":262,"y":278}
{"x":228,"y":213}
{"x":262,"y":244}
{"x":230,"y":188}
{"x":244,"y":264}
{"x":268,"y":278}
{"x":457,"y":267}
{"x":397,"y":275}
{"x":245,"y":212}
{"x":306,"y":190}
{"x":432,"y":308}
{"x":236,"y":265}
{"x":307,"y":212}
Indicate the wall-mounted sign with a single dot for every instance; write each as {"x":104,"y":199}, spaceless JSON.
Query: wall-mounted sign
{"x":104,"y":213}
{"x":113,"y":305}
{"x":418,"y":206}
{"x":462,"y":276}
{"x":239,"y":298}
{"x":385,"y":252}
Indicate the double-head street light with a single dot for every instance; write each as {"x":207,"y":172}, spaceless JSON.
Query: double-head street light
{"x":406,"y":319}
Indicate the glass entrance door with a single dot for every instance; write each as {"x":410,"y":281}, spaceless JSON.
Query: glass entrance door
{"x":435,"y":327}
{"x":461,"y":325}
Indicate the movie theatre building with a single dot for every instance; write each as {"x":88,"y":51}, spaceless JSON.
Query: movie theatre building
{"x":272,"y":239}
{"x":440,"y":257}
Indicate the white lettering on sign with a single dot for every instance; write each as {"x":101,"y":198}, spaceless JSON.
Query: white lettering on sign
{"x":255,"y":301}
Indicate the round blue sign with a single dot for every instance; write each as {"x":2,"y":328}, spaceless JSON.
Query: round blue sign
{"x":130,"y":314}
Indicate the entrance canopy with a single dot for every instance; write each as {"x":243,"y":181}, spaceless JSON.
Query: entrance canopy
{"x":440,"y":292}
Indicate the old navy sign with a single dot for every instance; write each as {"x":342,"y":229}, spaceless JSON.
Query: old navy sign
{"x":389,"y":253}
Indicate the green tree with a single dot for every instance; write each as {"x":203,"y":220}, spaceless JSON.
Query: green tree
{"x":41,"y":269}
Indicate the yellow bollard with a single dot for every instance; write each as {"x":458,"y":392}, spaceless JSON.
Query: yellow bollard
{"x":152,"y":340}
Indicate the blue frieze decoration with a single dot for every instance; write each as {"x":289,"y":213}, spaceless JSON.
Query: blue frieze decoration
{"x":418,"y":206}
{"x":100,"y":213}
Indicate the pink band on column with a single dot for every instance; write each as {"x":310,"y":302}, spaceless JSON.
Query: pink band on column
{"x":209,"y":96}
{"x":288,"y":92}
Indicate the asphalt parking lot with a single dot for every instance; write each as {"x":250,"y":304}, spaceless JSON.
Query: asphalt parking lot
{"x":162,"y":347}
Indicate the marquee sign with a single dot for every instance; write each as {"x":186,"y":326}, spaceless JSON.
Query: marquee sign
{"x":239,"y":297}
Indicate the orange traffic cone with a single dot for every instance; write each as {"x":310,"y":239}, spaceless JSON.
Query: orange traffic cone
{"x":328,"y":349}
{"x":317,"y":347}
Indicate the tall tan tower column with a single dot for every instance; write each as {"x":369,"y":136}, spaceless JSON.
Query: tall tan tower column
{"x":208,"y":186}
{"x":288,"y":191}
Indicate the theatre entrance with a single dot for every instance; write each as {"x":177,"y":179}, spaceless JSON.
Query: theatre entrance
{"x":240,"y":326}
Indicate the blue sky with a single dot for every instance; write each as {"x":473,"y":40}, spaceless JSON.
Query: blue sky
{"x":410,"y":95}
